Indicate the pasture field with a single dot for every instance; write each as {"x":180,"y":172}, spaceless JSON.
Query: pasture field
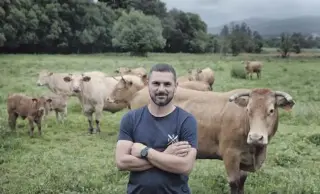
{"x":66,"y":159}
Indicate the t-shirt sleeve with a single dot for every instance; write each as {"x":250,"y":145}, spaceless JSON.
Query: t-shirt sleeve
{"x":126,"y":128}
{"x":189,"y":131}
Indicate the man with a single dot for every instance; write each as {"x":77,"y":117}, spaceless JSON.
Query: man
{"x":158,"y":142}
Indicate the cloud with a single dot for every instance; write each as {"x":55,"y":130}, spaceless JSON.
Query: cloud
{"x":217,"y":12}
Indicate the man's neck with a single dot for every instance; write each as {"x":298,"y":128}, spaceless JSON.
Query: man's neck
{"x":161,"y":111}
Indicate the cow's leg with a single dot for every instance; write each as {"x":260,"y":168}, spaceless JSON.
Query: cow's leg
{"x":98,"y":114}
{"x":232,"y":164}
{"x":38,"y":122}
{"x":89,"y":116}
{"x":12,"y":120}
{"x":88,"y":111}
{"x":243,"y":178}
{"x":64,"y":114}
{"x":31,"y":125}
{"x":57,"y":116}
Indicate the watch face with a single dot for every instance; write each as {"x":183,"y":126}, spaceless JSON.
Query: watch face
{"x":144,"y":152}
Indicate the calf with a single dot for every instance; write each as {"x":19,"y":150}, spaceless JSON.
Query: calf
{"x":26,"y":107}
{"x":58,"y":105}
{"x":204,"y":75}
{"x":253,"y":67}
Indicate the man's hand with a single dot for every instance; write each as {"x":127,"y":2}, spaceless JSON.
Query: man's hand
{"x":180,"y":148}
{"x":136,"y":149}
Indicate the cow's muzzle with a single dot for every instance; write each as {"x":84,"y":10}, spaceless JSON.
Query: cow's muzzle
{"x":257,"y":139}
{"x":110,"y":100}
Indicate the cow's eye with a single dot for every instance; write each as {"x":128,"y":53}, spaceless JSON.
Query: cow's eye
{"x":271,"y":111}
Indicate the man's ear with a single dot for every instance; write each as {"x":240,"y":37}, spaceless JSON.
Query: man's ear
{"x":282,"y":102}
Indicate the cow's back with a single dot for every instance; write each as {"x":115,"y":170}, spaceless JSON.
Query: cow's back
{"x":58,"y":86}
{"x":95,"y":90}
{"x":195,"y":85}
{"x":19,"y":104}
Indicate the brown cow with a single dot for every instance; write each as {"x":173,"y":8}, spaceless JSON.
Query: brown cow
{"x":184,"y":78}
{"x":205,"y":75}
{"x":195,"y":85}
{"x":236,"y":132}
{"x":26,"y":107}
{"x":92,"y":92}
{"x":253,"y":67}
{"x":139,"y":71}
{"x":55,"y":83}
{"x":58,"y":105}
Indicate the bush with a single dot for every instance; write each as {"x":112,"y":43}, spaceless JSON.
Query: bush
{"x":237,"y":71}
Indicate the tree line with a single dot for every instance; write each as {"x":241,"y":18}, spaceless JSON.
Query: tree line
{"x":136,"y":26}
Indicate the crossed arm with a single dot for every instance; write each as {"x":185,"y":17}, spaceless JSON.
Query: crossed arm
{"x":126,"y":161}
{"x":164,"y":160}
{"x":173,"y":163}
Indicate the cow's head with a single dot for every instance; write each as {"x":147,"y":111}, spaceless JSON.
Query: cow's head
{"x":126,"y":87}
{"x":44,"y":77}
{"x":261,"y":106}
{"x":76,"y":81}
{"x":194,"y":74}
{"x":122,"y":70}
{"x":41,"y":105}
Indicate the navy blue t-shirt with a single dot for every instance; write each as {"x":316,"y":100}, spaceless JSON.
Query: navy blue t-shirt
{"x":141,"y":126}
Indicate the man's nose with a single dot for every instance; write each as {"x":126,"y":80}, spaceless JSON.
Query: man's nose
{"x":161,"y":87}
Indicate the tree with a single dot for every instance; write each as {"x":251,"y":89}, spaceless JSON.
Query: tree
{"x":138,"y":33}
{"x":285,"y":45}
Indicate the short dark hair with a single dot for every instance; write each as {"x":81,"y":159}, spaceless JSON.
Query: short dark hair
{"x":163,"y":67}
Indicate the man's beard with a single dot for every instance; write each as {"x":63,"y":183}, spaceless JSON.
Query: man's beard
{"x":161,"y":99}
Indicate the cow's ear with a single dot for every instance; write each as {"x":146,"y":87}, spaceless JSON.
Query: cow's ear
{"x":86,"y":78}
{"x":129,"y":83}
{"x":284,"y":103}
{"x":67,"y":79}
{"x":242,"y":101}
{"x":144,"y":78}
{"x":49,"y":100}
{"x":34,"y":100}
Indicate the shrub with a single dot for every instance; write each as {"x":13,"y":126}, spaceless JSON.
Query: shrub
{"x":237,"y":71}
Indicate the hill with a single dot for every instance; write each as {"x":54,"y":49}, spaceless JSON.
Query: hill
{"x":273,"y":27}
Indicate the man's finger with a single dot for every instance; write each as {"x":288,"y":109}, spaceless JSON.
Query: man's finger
{"x":182,"y":155}
{"x":182,"y":147}
{"x":181,"y":143}
{"x":180,"y":151}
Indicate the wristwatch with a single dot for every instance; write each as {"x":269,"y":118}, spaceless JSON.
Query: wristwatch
{"x":144,"y":152}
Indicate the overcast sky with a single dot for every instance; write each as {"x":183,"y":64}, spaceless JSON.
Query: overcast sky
{"x":218,"y":12}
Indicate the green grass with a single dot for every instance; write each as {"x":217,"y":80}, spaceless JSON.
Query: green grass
{"x":68,"y":160}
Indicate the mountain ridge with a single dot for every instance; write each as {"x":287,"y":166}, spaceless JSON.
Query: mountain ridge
{"x":274,"y":27}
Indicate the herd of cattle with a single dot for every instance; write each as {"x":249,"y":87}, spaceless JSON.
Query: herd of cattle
{"x":234,"y":126}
